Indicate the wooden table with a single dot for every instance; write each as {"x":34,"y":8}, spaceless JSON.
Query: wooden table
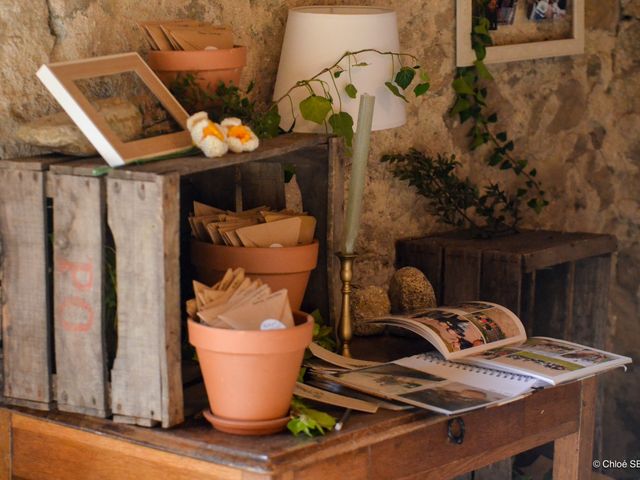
{"x":387,"y":445}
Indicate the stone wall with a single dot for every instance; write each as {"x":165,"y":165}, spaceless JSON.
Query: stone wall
{"x":576,"y":118}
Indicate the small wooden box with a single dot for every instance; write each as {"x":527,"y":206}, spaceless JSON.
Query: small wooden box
{"x":56,"y":221}
{"x":557,"y":283}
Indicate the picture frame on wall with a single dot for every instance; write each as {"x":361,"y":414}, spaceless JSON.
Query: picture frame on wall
{"x":523,"y":30}
{"x":78,"y":86}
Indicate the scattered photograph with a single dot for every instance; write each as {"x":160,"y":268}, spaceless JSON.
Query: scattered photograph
{"x":456,"y":332}
{"x":389,"y":379}
{"x":453,"y":397}
{"x":542,"y":10}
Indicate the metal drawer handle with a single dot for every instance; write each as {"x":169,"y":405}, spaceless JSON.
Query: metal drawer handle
{"x":455,"y":430}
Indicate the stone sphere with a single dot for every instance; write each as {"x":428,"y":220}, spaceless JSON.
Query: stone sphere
{"x":410,"y":290}
{"x":367,"y":303}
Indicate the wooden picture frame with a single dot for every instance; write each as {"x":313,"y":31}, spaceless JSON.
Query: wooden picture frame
{"x":465,"y":55}
{"x":60,"y":78}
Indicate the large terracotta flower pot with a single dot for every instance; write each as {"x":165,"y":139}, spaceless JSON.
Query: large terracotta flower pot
{"x":280,"y":267}
{"x":250,"y":375}
{"x":209,"y":66}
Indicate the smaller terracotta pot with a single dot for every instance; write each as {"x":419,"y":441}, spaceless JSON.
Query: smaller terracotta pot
{"x":209,"y":66}
{"x":250,"y":375}
{"x":282,"y":267}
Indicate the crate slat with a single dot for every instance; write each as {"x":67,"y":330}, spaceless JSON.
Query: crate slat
{"x":78,"y":250}
{"x":146,"y":377}
{"x":25,"y":311}
{"x":461,"y":274}
{"x":262,"y":183}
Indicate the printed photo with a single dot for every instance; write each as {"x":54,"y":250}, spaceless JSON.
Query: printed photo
{"x":587,"y":357}
{"x":542,"y":10}
{"x":389,"y":379}
{"x":453,"y":396}
{"x":473,"y":306}
{"x":491,"y":331}
{"x":456,"y":332}
{"x":544,"y":345}
{"x":500,"y":12}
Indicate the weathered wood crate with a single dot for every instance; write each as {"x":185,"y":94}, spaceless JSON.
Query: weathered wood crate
{"x":58,"y":343}
{"x":557,"y":283}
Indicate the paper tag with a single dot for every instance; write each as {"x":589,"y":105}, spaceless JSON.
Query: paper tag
{"x":272,"y":324}
{"x":275,"y":245}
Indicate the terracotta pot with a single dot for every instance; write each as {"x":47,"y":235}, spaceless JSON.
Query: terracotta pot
{"x":210,"y":66}
{"x":250,"y":374}
{"x":282,"y":267}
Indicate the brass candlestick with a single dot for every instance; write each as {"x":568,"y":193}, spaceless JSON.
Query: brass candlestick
{"x":344,"y":331}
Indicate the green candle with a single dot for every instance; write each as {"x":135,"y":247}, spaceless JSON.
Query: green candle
{"x":358,"y":172}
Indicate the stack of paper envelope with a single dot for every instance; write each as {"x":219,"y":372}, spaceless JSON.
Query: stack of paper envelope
{"x":258,"y":227}
{"x":238,"y":302}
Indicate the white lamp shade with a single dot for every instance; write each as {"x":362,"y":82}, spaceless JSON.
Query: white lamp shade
{"x":316,"y":37}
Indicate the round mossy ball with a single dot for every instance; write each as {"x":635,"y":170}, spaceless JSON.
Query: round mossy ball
{"x":410,"y":290}
{"x":367,"y":303}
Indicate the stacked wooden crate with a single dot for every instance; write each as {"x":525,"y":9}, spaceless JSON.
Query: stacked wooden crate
{"x":55,"y":332}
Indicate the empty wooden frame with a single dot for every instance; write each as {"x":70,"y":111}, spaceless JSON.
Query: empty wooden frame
{"x":465,"y":55}
{"x":60,"y":79}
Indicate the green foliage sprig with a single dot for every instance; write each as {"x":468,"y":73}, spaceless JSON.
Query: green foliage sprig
{"x":470,"y":104}
{"x":318,"y":106}
{"x":453,"y":200}
{"x":226,"y":101}
{"x":307,"y":420}
{"x":459,"y":202}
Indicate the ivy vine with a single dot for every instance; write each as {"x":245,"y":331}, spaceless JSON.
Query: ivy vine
{"x":318,"y":106}
{"x":470,"y":104}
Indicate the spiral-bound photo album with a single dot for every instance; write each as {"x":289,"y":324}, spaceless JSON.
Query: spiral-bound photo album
{"x":484,"y":358}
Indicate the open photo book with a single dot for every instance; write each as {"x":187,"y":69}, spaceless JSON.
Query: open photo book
{"x":484,"y":358}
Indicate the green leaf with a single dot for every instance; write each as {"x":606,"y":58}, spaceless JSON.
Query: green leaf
{"x":421,"y":89}
{"x":404,"y":77}
{"x":494,"y":159}
{"x":482,"y":70}
{"x":461,"y":105}
{"x":395,"y":90}
{"x":337,"y":73}
{"x":533,"y":172}
{"x":308,"y":420}
{"x":493,"y":118}
{"x":351,"y":90}
{"x":461,"y":87}
{"x":315,"y":108}
{"x":361,"y":64}
{"x":342,"y":125}
{"x":481,"y":52}
{"x":506,"y":165}
{"x":502,"y":136}
{"x":424,"y":76}
{"x":521,"y":192}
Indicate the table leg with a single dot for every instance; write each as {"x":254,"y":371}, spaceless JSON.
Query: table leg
{"x":572,"y":454}
{"x":5,"y":444}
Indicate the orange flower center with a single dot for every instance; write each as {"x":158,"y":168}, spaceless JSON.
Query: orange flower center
{"x":212,"y":131}
{"x":240,"y":132}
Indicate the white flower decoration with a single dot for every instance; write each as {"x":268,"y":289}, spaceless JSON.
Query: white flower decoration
{"x":240,"y":138}
{"x":208,"y":136}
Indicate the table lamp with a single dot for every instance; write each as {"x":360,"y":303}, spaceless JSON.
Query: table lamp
{"x":315,"y":38}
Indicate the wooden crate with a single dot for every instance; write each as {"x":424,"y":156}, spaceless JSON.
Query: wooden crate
{"x":144,"y":208}
{"x":557,"y":283}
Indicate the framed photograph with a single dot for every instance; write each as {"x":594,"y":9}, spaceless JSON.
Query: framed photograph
{"x":522,"y":29}
{"x":155,"y":122}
